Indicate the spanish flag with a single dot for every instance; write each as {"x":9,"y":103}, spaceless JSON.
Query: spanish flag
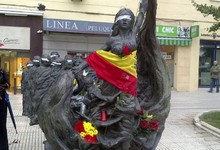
{"x":119,"y":71}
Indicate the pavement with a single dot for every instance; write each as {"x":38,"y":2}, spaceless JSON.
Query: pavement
{"x":180,"y":132}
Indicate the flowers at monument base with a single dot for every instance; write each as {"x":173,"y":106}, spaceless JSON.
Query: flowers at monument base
{"x":148,"y":124}
{"x":87,"y":131}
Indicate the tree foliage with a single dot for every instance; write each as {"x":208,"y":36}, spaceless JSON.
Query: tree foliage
{"x":209,"y":11}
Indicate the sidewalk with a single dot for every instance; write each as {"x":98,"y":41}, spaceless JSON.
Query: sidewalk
{"x":180,"y":133}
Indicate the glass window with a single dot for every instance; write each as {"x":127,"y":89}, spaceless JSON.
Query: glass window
{"x":209,"y":51}
{"x":205,"y":63}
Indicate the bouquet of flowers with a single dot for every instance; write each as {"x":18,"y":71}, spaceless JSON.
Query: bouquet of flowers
{"x":86,"y":131}
{"x":147,"y":124}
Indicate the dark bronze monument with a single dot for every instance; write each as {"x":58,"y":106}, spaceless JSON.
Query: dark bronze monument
{"x":117,"y":98}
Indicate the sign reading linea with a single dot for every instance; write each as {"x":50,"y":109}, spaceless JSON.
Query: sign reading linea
{"x":14,"y":38}
{"x":75,"y":26}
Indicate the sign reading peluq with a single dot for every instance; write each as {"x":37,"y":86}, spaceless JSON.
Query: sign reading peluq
{"x":14,"y":38}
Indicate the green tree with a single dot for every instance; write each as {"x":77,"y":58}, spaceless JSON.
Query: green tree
{"x":209,"y":11}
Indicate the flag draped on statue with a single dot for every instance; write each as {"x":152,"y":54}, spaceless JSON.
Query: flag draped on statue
{"x":119,"y":71}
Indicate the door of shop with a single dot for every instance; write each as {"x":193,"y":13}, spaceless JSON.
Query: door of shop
{"x":13,"y":62}
{"x":209,"y":51}
{"x":168,"y":54}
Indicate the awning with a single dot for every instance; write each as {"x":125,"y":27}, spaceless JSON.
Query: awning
{"x":174,"y":41}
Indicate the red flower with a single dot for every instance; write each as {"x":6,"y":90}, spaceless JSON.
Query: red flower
{"x":154,"y":125}
{"x":141,"y":112}
{"x":79,"y":127}
{"x":144,"y":124}
{"x":90,"y":139}
{"x":126,"y":50}
{"x":1,"y":44}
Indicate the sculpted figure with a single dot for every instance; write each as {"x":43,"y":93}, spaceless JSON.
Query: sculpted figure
{"x":124,"y":85}
{"x":121,"y":46}
{"x":78,"y":59}
{"x":54,"y":55}
{"x":153,"y":84}
{"x":68,"y":62}
{"x":25,"y":89}
{"x":33,"y":75}
{"x":55,"y":117}
{"x":42,"y":81}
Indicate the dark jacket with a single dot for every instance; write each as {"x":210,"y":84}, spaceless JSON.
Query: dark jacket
{"x":4,"y":82}
{"x":214,"y":71}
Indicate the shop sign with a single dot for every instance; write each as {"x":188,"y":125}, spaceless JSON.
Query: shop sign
{"x":183,"y":31}
{"x":76,"y":26}
{"x":166,"y":31}
{"x":194,"y":31}
{"x":166,"y":56}
{"x":59,"y":25}
{"x":173,"y":31}
{"x":14,"y":38}
{"x":210,"y":35}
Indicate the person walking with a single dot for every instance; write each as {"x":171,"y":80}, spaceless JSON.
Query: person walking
{"x":214,"y":72}
{"x":4,"y":84}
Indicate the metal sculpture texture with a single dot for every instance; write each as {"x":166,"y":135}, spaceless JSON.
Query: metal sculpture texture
{"x":117,"y":98}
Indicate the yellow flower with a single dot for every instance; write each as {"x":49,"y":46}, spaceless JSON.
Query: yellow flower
{"x":89,"y":129}
{"x":87,"y":126}
{"x":95,"y":132}
{"x":82,"y":134}
{"x":149,"y":116}
{"x":91,"y":133}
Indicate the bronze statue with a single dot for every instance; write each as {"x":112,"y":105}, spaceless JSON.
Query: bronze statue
{"x":115,"y":99}
{"x":41,"y":83}
{"x":33,"y":75}
{"x":25,"y":89}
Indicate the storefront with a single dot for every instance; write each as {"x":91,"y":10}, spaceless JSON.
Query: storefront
{"x":72,"y":36}
{"x":19,"y":41}
{"x":170,"y":38}
{"x":209,"y":51}
{"x":14,"y":51}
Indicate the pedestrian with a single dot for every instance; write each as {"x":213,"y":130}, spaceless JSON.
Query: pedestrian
{"x":214,"y":72}
{"x":4,"y":84}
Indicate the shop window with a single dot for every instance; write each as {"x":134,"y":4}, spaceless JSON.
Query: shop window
{"x":209,"y":51}
{"x":13,"y":62}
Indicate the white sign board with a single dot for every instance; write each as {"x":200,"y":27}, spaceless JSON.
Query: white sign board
{"x":14,"y":38}
{"x":166,"y":56}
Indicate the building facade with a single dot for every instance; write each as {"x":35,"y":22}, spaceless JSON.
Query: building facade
{"x":82,"y":26}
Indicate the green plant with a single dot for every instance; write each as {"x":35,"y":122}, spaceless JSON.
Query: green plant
{"x":209,"y":11}
{"x":212,"y":118}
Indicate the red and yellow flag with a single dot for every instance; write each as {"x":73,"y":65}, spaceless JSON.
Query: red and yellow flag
{"x":119,"y":71}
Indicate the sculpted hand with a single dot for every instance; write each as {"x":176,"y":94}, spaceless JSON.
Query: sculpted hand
{"x":143,"y":5}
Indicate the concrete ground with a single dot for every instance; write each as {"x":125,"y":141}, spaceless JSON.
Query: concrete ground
{"x":180,"y":132}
